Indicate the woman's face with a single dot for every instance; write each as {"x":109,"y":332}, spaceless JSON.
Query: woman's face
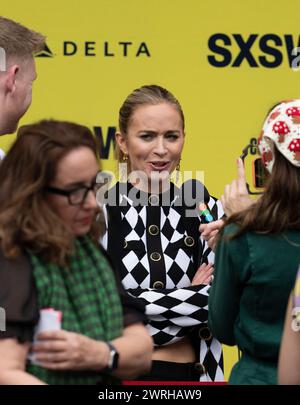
{"x":77,"y":169}
{"x":154,"y":139}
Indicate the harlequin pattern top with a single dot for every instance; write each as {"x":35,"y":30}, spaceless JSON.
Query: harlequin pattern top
{"x":157,"y":249}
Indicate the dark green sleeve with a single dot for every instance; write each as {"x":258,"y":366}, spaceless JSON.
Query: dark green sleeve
{"x":232,"y":268}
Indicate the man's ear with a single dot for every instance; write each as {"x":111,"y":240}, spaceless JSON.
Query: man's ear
{"x":10,"y":81}
{"x":121,"y":141}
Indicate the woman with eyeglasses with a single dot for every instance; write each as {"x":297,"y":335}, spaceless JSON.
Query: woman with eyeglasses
{"x":50,"y":261}
{"x":258,"y":256}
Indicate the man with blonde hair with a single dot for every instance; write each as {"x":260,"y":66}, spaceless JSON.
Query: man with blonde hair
{"x":18,"y":45}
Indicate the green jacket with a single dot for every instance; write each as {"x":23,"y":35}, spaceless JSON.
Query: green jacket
{"x":254,"y":275}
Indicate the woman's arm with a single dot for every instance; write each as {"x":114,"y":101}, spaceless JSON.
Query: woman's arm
{"x":171,"y":313}
{"x":182,"y":307}
{"x":172,"y":310}
{"x":63,"y":350}
{"x":135,"y":347}
{"x":12,"y":365}
{"x":289,"y":358}
{"x":232,"y":268}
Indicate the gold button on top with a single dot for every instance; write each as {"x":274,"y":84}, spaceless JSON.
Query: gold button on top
{"x":155,"y":256}
{"x":158,"y":284}
{"x":200,"y":368}
{"x":153,"y":230}
{"x":153,"y":199}
{"x":205,"y":333}
{"x":125,"y":244}
{"x":189,"y":241}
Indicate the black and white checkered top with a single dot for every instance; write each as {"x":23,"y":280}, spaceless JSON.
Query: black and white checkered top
{"x":157,"y":249}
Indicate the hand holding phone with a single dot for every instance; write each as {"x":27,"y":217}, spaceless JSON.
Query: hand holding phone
{"x":258,"y":171}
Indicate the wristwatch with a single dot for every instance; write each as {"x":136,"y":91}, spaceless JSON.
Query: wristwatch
{"x":113,"y":360}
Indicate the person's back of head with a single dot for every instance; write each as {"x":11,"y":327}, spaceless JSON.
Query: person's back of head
{"x":278,"y":209}
{"x":18,"y":45}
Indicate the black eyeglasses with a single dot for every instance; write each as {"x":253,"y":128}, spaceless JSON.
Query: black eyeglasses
{"x":78,"y":195}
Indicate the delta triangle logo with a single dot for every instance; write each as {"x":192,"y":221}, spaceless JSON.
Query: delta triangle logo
{"x":45,"y":53}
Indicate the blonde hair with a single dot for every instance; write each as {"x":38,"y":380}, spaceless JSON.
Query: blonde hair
{"x":19,"y":41}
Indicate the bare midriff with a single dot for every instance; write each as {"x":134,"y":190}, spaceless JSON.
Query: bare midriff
{"x":179,"y":352}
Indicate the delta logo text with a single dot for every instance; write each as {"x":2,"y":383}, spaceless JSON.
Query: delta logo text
{"x":124,"y":49}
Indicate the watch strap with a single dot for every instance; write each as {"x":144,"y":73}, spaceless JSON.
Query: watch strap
{"x":113,"y":360}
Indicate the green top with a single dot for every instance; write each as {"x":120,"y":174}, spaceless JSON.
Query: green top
{"x":254,"y":275}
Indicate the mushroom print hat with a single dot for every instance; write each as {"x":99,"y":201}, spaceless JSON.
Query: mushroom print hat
{"x":282,"y":129}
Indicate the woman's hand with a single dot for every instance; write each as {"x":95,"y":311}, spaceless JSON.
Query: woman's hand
{"x":210,"y":231}
{"x":63,"y":350}
{"x":204,"y":274}
{"x":236,"y":197}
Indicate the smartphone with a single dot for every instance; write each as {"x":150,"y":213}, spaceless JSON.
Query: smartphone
{"x":254,"y":169}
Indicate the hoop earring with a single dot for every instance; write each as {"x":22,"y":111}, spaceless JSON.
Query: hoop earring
{"x":123,"y":168}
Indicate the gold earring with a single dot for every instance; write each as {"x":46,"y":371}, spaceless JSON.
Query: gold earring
{"x":178,"y":171}
{"x":123,"y":168}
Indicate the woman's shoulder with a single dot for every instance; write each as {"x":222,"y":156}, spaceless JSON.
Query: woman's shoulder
{"x":113,"y":196}
{"x":109,"y":195}
{"x":237,"y":242}
{"x":231,"y":229}
{"x":16,"y":277}
{"x":18,"y":297}
{"x":18,"y":267}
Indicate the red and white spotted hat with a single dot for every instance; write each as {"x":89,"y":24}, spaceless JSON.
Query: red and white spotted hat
{"x":282,"y":129}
